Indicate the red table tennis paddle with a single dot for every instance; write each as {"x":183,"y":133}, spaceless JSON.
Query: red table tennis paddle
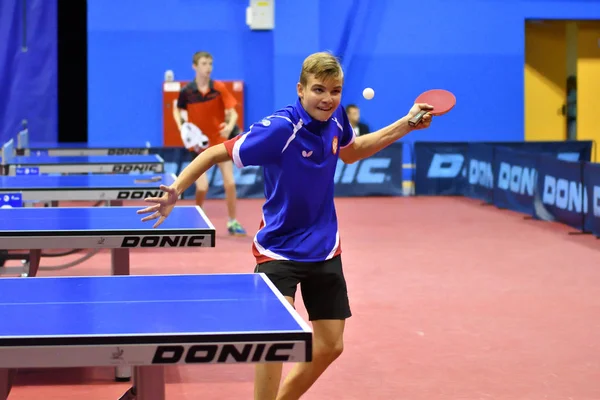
{"x":441,"y":100}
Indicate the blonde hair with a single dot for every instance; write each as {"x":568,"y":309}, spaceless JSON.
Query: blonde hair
{"x":323,"y":65}
{"x":200,"y":54}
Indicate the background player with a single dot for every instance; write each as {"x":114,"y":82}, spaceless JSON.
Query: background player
{"x":299,"y":241}
{"x":211,"y":107}
{"x":360,"y":128}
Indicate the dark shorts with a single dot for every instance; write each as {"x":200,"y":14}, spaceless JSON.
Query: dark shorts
{"x":322,"y":284}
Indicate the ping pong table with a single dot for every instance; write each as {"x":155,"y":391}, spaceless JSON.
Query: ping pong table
{"x":146,"y":322}
{"x":116,"y":228}
{"x":111,"y":188}
{"x":33,"y":165}
{"x":26,"y":148}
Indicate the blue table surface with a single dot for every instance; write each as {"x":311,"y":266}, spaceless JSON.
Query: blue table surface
{"x":50,"y":160}
{"x":81,"y":181}
{"x":53,"y":145}
{"x":129,"y":305}
{"x":111,"y":219}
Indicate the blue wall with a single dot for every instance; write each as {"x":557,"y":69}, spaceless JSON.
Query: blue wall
{"x":472,"y":47}
{"x":28,"y":79}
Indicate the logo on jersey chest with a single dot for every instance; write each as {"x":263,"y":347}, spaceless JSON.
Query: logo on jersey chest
{"x":334,"y":145}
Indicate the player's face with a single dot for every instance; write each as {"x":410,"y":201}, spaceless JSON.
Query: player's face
{"x":203,"y":67}
{"x":320,"y":98}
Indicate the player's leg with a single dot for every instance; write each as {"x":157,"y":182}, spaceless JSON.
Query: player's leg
{"x":285,"y":276}
{"x":327,"y":347}
{"x":233,"y":226}
{"x":267,"y":376}
{"x":201,"y":189}
{"x":325,"y":296}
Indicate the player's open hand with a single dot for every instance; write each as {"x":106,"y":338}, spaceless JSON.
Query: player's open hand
{"x":426,"y":120}
{"x":163,"y":207}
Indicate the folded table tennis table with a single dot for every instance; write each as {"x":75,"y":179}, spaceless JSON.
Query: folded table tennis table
{"x":25,"y":147}
{"x":112,"y":188}
{"x":146,"y":322}
{"x":18,"y":165}
{"x":33,"y":165}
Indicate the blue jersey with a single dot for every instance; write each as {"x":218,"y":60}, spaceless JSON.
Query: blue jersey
{"x":299,"y":156}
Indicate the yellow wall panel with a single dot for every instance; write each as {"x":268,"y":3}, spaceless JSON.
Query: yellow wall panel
{"x":545,"y":80}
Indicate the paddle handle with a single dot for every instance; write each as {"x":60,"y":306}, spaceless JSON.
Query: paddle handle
{"x":417,"y":118}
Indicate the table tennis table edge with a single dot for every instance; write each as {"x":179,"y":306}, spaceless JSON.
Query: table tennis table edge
{"x":35,"y":162}
{"x":86,"y":188}
{"x":286,"y":304}
{"x":205,"y":217}
{"x":304,"y":327}
{"x":193,"y":230}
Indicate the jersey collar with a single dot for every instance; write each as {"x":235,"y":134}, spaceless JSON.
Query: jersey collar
{"x":312,"y":125}
{"x":306,"y":119}
{"x":211,"y":86}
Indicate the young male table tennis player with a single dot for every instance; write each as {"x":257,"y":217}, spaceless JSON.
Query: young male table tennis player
{"x":211,"y":107}
{"x":298,"y":241}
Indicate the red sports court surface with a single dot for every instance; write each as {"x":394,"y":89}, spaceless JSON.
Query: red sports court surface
{"x":451,"y":300}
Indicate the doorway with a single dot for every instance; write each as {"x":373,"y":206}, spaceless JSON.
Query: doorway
{"x":562,"y":76}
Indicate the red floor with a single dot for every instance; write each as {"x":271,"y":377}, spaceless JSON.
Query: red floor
{"x":451,"y":300}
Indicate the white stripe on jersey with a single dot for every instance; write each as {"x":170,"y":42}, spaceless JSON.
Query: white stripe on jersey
{"x":296,"y":129}
{"x":236,"y":151}
{"x":335,"y":246}
{"x":261,"y":249}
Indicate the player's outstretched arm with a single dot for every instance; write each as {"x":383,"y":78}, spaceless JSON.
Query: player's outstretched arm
{"x":367,"y":145}
{"x":209,"y":157}
{"x":163,"y":205}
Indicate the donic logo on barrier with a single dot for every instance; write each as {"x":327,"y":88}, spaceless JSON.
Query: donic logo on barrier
{"x":450,"y":166}
{"x":370,"y":170}
{"x":446,"y":165}
{"x":566,"y":195}
{"x":517,"y":179}
{"x":570,"y":195}
{"x":480,"y":173}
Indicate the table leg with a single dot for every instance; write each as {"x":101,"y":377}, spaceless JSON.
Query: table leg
{"x":119,"y":261}
{"x":34,"y":262}
{"x":120,"y":266}
{"x":120,"y":257}
{"x":6,"y":379}
{"x":150,"y":382}
{"x":123,"y":374}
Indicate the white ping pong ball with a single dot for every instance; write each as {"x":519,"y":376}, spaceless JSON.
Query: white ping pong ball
{"x":368,"y":93}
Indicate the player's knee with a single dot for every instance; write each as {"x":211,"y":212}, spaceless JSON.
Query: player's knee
{"x":329,"y":351}
{"x":229,"y":186}
{"x":228,"y":178}
{"x":337,"y":349}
